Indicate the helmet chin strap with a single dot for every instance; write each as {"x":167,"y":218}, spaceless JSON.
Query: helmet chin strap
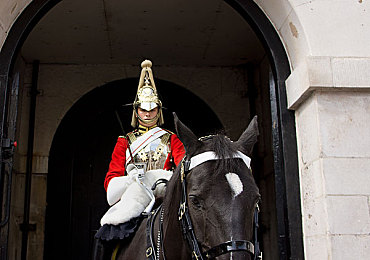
{"x":148,"y":121}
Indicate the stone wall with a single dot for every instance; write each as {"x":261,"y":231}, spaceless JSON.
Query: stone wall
{"x":333,"y":133}
{"x":9,"y":11}
{"x":329,"y":90}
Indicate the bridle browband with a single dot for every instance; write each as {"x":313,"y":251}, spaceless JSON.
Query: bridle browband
{"x":210,"y":155}
{"x":184,"y":217}
{"x":186,"y":224}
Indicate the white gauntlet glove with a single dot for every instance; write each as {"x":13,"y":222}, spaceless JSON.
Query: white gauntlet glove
{"x":134,"y":172}
{"x":152,"y":176}
{"x":132,"y":195}
{"x":116,"y":187}
{"x":134,"y":200}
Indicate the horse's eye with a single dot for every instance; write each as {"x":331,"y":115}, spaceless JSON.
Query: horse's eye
{"x":195,"y":201}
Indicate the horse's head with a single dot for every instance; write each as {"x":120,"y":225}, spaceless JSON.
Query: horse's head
{"x":220,"y":190}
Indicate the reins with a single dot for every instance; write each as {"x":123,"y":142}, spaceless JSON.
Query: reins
{"x":152,"y":250}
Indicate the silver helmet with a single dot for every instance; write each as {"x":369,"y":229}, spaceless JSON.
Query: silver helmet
{"x":147,"y":96}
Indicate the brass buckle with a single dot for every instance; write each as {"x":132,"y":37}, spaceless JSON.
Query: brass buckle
{"x":182,"y":171}
{"x":195,"y":255}
{"x":149,"y":251}
{"x":182,"y":210}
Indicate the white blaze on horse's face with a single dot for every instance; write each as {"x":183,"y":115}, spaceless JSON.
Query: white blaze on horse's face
{"x":235,"y":183}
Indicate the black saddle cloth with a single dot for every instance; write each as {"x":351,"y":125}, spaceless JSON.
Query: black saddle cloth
{"x":118,"y":232}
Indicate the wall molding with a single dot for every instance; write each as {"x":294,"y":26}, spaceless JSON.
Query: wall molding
{"x":329,"y":74}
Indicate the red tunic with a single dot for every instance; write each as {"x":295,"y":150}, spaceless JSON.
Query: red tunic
{"x":117,"y":164}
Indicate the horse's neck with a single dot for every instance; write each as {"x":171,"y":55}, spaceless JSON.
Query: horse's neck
{"x":174,"y":244}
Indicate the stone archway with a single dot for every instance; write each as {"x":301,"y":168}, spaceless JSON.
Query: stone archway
{"x":284,"y":134}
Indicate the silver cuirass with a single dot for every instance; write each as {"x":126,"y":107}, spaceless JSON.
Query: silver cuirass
{"x":153,"y":156}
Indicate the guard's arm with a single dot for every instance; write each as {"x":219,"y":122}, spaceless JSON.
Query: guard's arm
{"x":176,"y":154}
{"x":117,"y":164}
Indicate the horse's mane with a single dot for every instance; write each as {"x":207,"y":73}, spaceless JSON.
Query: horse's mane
{"x":223,"y":148}
{"x":221,"y":145}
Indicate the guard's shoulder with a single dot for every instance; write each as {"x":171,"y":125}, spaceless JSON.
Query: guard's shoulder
{"x":168,"y":131}
{"x":131,"y":136}
{"x":128,"y":134}
{"x":124,"y":136}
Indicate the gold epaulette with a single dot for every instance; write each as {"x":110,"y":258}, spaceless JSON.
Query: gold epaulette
{"x":131,"y":136}
{"x":165,"y":139}
{"x":168,"y":131}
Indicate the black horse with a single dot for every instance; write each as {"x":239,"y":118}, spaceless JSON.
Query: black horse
{"x":209,"y":206}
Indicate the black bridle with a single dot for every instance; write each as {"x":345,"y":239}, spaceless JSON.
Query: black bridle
{"x":189,"y":234}
{"x":188,"y":231}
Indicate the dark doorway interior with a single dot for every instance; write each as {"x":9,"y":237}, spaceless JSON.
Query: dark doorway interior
{"x":80,"y":155}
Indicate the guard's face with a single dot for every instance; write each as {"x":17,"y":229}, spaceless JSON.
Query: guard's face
{"x":147,"y":115}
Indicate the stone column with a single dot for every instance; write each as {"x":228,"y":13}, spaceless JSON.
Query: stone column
{"x":331,"y":97}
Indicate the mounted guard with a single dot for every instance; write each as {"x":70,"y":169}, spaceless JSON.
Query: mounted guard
{"x":139,"y":160}
{"x":211,"y":205}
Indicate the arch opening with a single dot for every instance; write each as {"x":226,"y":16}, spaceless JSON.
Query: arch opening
{"x":80,"y":155}
{"x":256,"y":77}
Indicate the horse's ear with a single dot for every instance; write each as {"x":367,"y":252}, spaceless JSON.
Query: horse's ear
{"x":248,"y":138}
{"x":187,"y":137}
